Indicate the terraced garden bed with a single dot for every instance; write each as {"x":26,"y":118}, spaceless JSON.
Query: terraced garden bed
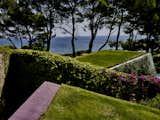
{"x":109,"y":58}
{"x":72,"y":103}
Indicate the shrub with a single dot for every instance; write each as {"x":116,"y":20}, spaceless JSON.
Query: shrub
{"x":141,"y":45}
{"x":154,"y":102}
{"x":29,"y":69}
{"x":156,"y":59}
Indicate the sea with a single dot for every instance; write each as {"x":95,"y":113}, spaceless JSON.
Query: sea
{"x":62,"y":45}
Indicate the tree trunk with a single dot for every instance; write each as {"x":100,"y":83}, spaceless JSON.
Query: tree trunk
{"x":152,"y":46}
{"x":12,"y":43}
{"x":30,"y":37}
{"x":73,"y":36}
{"x":49,"y":38}
{"x":94,"y":30}
{"x":20,"y":38}
{"x":50,"y":31}
{"x":30,"y":40}
{"x":21,"y":42}
{"x":130,"y":40}
{"x":91,"y":42}
{"x":107,"y":40}
{"x":147,"y":42}
{"x":119,"y":31}
{"x":49,"y":41}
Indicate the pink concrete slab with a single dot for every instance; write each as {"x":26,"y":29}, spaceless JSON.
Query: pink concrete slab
{"x":37,"y":103}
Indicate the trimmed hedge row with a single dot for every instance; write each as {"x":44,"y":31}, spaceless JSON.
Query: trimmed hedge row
{"x":28,"y":69}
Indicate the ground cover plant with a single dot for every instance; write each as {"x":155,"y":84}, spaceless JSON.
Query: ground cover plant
{"x":72,"y":103}
{"x":28,"y":69}
{"x":108,"y":58}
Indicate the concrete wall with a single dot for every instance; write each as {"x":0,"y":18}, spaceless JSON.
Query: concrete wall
{"x":142,"y":64}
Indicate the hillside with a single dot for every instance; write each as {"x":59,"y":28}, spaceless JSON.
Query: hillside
{"x":72,"y":103}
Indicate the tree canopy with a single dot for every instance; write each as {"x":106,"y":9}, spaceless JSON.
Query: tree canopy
{"x":37,"y":20}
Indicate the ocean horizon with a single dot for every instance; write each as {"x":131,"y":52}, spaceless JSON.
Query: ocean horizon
{"x":62,"y":44}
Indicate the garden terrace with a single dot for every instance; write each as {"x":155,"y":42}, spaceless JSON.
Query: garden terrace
{"x":109,"y":58}
{"x":26,"y":70}
{"x":72,"y":103}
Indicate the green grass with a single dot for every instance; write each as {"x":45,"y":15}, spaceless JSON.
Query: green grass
{"x":109,"y":58}
{"x":72,"y":103}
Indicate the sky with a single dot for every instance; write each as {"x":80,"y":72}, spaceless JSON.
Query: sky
{"x":81,"y":32}
{"x":102,"y":32}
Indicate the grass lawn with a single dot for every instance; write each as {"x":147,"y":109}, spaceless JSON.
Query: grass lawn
{"x":72,"y":103}
{"x":109,"y":58}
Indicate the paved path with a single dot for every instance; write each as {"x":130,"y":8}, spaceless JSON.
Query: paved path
{"x":37,"y":103}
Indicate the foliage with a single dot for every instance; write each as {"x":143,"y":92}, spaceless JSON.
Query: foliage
{"x":51,"y":15}
{"x":143,"y":16}
{"x":108,"y":58}
{"x":18,"y":21}
{"x":72,"y":9}
{"x":28,"y":69}
{"x":32,"y":20}
{"x":113,"y":44}
{"x":95,"y":13}
{"x":37,"y":20}
{"x":156,"y":59}
{"x":154,"y":102}
{"x":72,"y":103}
{"x":140,"y":45}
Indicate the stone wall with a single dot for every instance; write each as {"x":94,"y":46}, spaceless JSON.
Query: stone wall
{"x":2,"y":72}
{"x":140,"y":65}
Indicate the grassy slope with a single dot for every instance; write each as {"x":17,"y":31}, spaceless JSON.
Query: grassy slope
{"x":73,"y":103}
{"x":108,"y":58}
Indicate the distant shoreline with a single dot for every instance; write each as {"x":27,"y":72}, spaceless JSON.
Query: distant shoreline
{"x":62,"y":44}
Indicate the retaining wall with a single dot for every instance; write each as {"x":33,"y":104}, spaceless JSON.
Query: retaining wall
{"x":140,"y":65}
{"x":2,"y":71}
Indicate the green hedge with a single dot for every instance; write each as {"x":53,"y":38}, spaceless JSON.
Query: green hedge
{"x":28,"y":69}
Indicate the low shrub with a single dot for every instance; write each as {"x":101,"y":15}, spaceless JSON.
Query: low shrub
{"x":154,"y":102}
{"x":156,"y":59}
{"x":141,"y":45}
{"x":29,"y":69}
